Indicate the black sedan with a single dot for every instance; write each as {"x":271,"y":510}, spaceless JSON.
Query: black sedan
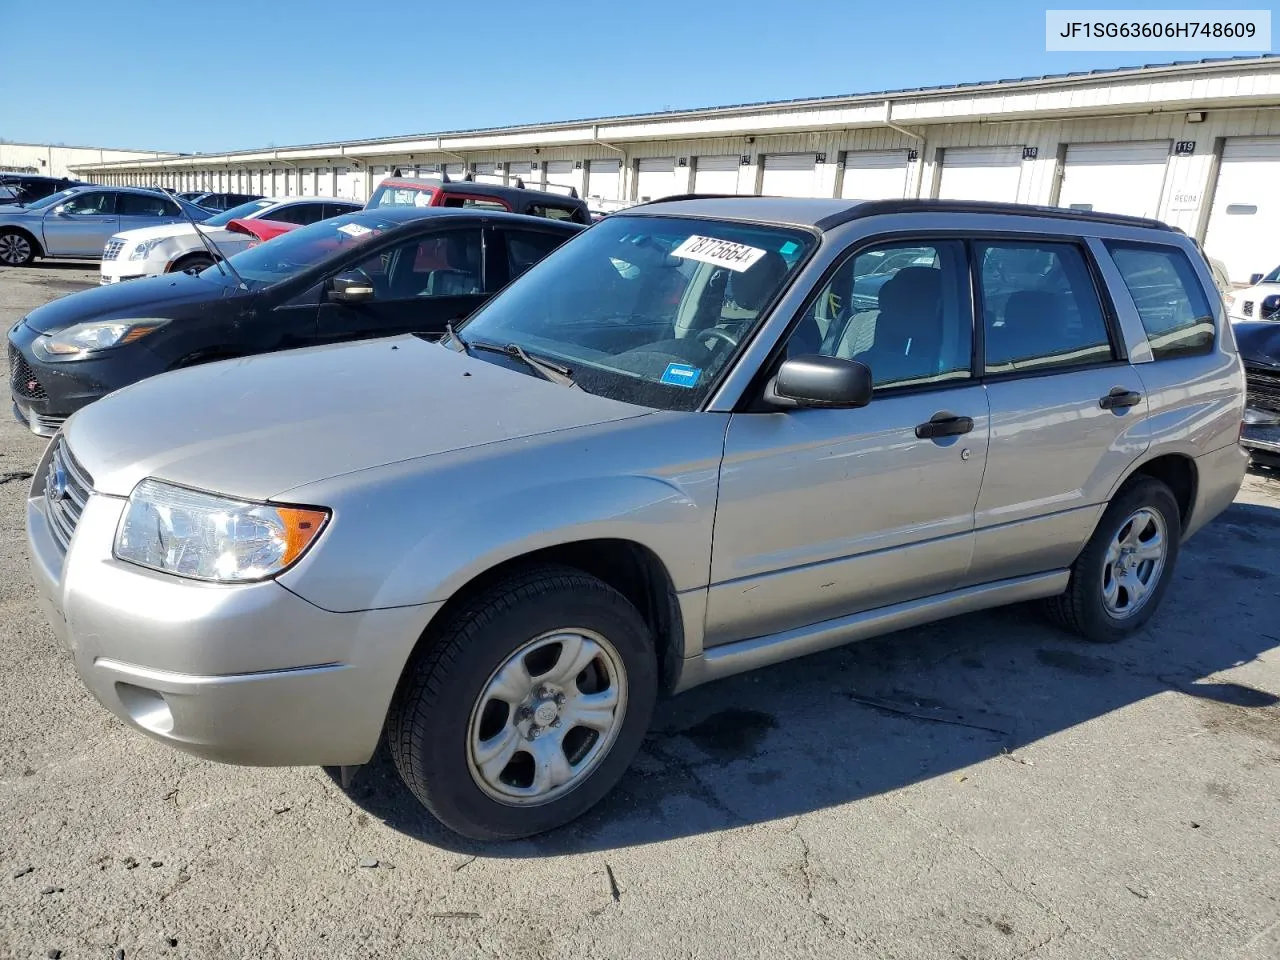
{"x":1259,"y":345}
{"x":367,"y":274}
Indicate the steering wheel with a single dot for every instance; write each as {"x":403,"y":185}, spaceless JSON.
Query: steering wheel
{"x":718,"y":333}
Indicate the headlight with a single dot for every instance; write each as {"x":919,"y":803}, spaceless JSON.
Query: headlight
{"x":1229,"y":300}
{"x":206,"y":537}
{"x":75,"y":341}
{"x":143,"y":249}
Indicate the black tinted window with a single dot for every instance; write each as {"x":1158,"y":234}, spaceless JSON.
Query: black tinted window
{"x":1165,"y":289}
{"x":1040,"y":307}
{"x":900,"y":308}
{"x":525,"y":248}
{"x":144,"y":205}
{"x":445,"y":265}
{"x":475,"y":203}
{"x":301,"y":213}
{"x":337,"y":209}
{"x":552,"y":212}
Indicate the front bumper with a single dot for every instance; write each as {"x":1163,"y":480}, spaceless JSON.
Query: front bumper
{"x":1261,"y":433}
{"x":122,"y":268}
{"x":248,"y":674}
{"x":45,"y":394}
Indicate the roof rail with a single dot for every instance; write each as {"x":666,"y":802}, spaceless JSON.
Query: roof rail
{"x":872,"y":208}
{"x":519,"y":184}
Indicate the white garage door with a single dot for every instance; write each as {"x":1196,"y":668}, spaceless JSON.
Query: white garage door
{"x":487,"y":173}
{"x":561,"y":173}
{"x":1244,"y":224}
{"x":980,"y":173}
{"x":1115,"y":177}
{"x":655,"y":178}
{"x":308,"y":182}
{"x":790,"y":175}
{"x":602,"y":179}
{"x":874,"y":175}
{"x":716,"y":175}
{"x":530,"y":173}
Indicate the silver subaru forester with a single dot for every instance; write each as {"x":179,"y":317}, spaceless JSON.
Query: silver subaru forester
{"x":705,"y":436}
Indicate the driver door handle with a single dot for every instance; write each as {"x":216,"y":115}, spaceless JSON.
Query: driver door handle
{"x":944,"y":424}
{"x":1120,"y":397}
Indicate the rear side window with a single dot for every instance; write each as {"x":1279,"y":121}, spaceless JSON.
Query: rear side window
{"x":143,"y":205}
{"x":1040,"y":308}
{"x":554,"y":213}
{"x":1174,"y":309}
{"x":475,"y":203}
{"x":299,"y":213}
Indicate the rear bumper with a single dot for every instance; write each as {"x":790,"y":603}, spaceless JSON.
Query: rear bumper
{"x":246,"y":674}
{"x":1219,"y":475}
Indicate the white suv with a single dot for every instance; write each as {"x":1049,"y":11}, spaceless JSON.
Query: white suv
{"x":175,"y":247}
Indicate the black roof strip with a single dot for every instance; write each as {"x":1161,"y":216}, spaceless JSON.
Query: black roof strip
{"x":873,"y":208}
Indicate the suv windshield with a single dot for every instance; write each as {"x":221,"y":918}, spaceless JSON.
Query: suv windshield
{"x":399,"y":195}
{"x":647,"y":310}
{"x":244,"y":210}
{"x":299,"y":249}
{"x":1272,"y":277}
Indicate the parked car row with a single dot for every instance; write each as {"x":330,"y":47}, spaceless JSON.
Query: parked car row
{"x":24,"y":188}
{"x":703,"y":436}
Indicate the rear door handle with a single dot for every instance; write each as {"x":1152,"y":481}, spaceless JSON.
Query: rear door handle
{"x":944,"y":424}
{"x":1120,"y":397}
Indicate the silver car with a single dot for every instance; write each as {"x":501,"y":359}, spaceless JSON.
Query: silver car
{"x":705,"y":436}
{"x":78,"y":222}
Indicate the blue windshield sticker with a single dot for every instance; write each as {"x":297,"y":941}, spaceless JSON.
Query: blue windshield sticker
{"x":788,"y":248}
{"x":681,"y":375}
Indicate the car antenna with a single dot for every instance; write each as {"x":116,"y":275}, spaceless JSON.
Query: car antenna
{"x":218,"y":259}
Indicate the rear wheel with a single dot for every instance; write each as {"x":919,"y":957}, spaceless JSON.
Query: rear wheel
{"x":1121,"y":575}
{"x":16,"y":248}
{"x":528,"y":707}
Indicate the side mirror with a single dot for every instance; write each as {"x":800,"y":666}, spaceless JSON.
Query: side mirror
{"x":817,"y":381}
{"x":351,"y":287}
{"x":1255,"y":278}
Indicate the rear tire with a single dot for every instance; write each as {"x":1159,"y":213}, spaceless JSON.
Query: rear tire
{"x":1119,"y":578}
{"x":527,"y":707}
{"x":17,"y":249}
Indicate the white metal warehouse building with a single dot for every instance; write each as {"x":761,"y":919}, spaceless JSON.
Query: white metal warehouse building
{"x":1195,"y":144}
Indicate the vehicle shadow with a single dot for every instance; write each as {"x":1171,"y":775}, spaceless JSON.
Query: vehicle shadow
{"x":847,"y":724}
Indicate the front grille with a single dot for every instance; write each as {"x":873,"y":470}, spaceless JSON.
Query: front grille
{"x":1262,"y":387}
{"x":1247,"y":309}
{"x":22,"y":379}
{"x":66,"y":491}
{"x":114,"y":246}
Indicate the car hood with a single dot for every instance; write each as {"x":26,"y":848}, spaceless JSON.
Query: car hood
{"x":148,"y":297}
{"x":259,"y":426}
{"x":165,"y":230}
{"x":1258,"y":342}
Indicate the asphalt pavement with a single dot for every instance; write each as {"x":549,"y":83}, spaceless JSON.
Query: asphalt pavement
{"x":986,"y":787}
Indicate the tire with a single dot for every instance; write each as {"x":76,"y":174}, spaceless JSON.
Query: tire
{"x":196,"y":262}
{"x":17,"y":249}
{"x":464,"y":743}
{"x":1085,"y":608}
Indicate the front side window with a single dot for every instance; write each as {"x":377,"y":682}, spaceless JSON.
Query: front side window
{"x":648,"y":310}
{"x":299,"y":213}
{"x":1040,"y":307}
{"x":144,"y":205}
{"x":900,"y":308}
{"x":1174,"y":310}
{"x":446,"y":265}
{"x":97,"y":203}
{"x":235,"y":213}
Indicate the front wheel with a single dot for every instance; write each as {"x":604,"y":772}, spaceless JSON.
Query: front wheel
{"x":1121,"y":575}
{"x":193,"y":264}
{"x":527,"y":708}
{"x":16,"y":248}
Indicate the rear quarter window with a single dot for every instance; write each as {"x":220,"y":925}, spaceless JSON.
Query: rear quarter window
{"x":1166,"y":290}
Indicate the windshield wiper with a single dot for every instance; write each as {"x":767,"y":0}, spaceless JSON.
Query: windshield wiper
{"x":545,"y":368}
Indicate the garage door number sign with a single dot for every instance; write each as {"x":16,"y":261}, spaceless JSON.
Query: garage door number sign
{"x":722,"y":253}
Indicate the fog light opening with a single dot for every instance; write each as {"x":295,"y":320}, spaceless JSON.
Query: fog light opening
{"x":147,"y":708}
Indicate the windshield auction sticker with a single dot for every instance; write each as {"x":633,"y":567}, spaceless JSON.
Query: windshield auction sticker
{"x":354,"y":229}
{"x":723,"y":253}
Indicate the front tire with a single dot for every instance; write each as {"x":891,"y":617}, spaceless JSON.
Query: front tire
{"x":16,"y":248}
{"x":192,"y":264}
{"x":526,"y":709}
{"x":1119,"y":578}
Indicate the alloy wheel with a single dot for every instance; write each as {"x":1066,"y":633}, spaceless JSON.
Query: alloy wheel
{"x":1134,"y":562}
